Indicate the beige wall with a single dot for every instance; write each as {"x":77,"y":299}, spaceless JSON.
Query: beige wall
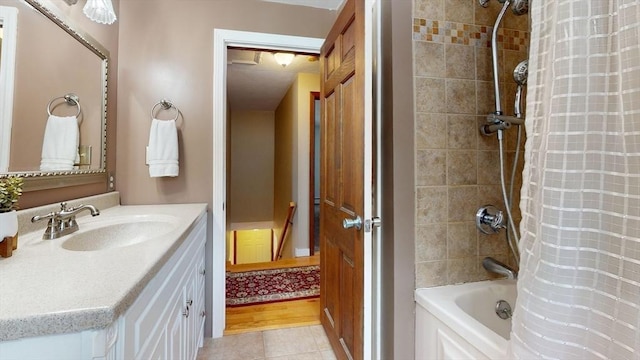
{"x":169,"y":55}
{"x":306,"y":83}
{"x":456,"y":168}
{"x":293,"y":132}
{"x":397,"y":183}
{"x":283,"y":166}
{"x":251,"y":175}
{"x":108,"y":37}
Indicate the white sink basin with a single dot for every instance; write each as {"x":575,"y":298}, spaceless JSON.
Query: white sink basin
{"x":118,"y":232}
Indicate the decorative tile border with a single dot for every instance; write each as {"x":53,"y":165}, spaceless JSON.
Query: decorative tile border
{"x":466,"y":34}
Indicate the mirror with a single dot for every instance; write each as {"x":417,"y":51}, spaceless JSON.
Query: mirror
{"x":52,"y":59}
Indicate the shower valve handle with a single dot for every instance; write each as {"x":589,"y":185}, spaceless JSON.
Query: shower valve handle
{"x":489,"y":220}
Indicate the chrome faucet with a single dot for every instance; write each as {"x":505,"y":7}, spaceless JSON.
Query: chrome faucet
{"x":497,"y":267}
{"x":63,"y":222}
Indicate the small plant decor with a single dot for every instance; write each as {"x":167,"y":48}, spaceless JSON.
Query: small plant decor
{"x":10,"y":192}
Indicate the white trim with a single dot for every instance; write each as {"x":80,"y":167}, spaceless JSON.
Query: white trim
{"x":302,"y":252}
{"x":9,"y":21}
{"x":221,"y":40}
{"x":376,"y":242}
{"x":369,"y":258}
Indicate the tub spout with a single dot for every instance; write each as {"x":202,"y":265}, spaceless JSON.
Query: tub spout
{"x":495,"y":266}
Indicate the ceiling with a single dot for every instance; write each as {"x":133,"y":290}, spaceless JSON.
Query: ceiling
{"x":323,"y":4}
{"x":256,"y":82}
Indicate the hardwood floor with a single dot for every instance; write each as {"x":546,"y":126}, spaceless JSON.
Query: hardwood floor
{"x":280,"y":264}
{"x":277,"y":315}
{"x":274,"y":315}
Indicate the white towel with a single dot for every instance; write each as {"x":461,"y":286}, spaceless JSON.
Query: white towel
{"x":60,"y":144}
{"x":162,"y":153}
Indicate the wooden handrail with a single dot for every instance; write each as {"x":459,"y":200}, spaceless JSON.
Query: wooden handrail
{"x":285,"y":230}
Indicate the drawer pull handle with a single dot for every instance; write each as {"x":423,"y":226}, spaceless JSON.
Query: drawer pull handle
{"x":202,"y":272}
{"x":203,"y":313}
{"x":187,"y":309}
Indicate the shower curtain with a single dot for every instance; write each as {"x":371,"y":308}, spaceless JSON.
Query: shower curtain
{"x":579,"y":283}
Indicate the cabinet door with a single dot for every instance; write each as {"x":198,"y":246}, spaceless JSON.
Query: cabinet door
{"x":175,"y":330}
{"x":189,"y":333}
{"x":159,"y":351}
{"x":201,"y":305}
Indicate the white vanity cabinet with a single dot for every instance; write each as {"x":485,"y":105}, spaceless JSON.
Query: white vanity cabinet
{"x":166,"y":321}
{"x":139,"y":300}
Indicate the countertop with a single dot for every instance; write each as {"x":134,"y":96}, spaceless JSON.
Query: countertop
{"x":45,"y":289}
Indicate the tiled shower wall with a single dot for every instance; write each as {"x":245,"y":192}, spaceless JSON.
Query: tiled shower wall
{"x":457,"y":169}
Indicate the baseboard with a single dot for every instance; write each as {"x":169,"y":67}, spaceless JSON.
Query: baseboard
{"x":302,"y":252}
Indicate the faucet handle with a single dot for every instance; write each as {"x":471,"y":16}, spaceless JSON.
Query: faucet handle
{"x":63,"y":207}
{"x":51,"y":232}
{"x":49,"y":216}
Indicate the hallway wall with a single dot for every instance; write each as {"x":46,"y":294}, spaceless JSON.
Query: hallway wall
{"x":251,"y":166}
{"x":292,"y":164}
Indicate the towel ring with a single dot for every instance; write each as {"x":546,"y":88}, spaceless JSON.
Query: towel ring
{"x":71,"y":99}
{"x":166,"y":105}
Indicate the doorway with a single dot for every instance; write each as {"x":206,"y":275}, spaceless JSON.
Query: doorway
{"x":268,"y":106}
{"x":222,"y":40}
{"x":266,"y":103}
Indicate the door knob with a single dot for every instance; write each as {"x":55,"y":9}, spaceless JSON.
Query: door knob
{"x":352,"y":223}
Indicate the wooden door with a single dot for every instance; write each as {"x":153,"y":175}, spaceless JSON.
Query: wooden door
{"x":341,"y":179}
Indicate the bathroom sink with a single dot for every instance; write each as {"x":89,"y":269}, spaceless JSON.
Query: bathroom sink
{"x":115,"y":233}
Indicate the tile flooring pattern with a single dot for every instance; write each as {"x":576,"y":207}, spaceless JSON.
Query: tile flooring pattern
{"x":299,"y":343}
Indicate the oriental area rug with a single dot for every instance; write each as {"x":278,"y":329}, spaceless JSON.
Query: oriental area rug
{"x":265,"y":286}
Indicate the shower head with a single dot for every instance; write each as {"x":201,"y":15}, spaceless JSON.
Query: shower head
{"x":520,"y":7}
{"x":521,"y":72}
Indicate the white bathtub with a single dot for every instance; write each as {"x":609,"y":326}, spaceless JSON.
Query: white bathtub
{"x":460,"y":322}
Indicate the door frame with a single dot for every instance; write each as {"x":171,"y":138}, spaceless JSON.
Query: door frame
{"x":223,"y":38}
{"x":313,"y":97}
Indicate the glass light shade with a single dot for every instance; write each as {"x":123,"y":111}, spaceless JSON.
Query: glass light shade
{"x":284,"y":59}
{"x":100,"y":11}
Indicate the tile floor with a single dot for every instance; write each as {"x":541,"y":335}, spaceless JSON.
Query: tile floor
{"x":299,"y":343}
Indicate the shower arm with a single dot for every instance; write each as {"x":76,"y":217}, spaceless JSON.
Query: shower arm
{"x":512,"y":120}
{"x":499,"y":122}
{"x":494,"y":54}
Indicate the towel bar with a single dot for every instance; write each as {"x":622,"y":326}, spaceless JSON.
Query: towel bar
{"x":71,"y":99}
{"x":166,"y":105}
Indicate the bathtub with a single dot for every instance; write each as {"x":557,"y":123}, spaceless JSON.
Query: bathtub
{"x":460,"y":322}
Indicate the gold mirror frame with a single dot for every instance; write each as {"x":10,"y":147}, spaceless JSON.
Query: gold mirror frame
{"x":58,"y":179}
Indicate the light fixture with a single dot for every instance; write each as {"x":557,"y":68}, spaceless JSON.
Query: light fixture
{"x":284,"y":59}
{"x":100,"y":11}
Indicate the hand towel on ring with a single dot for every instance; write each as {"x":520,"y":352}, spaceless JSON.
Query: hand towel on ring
{"x":162,"y":153}
{"x":60,"y":143}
